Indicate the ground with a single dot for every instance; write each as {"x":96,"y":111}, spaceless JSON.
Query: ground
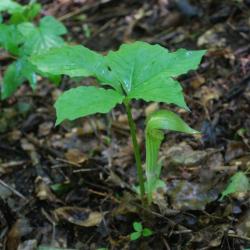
{"x":71,"y":186}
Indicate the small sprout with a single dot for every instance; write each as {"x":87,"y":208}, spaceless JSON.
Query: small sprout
{"x":140,"y":231}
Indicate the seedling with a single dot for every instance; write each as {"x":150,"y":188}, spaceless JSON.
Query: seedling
{"x":140,"y":231}
{"x":21,"y":39}
{"x":136,"y":71}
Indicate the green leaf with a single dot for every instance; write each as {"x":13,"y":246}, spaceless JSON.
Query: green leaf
{"x":147,"y":232}
{"x":10,"y":38}
{"x":10,"y":6}
{"x":15,"y":75}
{"x":135,"y":235}
{"x":137,"y":226}
{"x":83,"y":101}
{"x":239,"y":182}
{"x":141,"y":70}
{"x":11,"y":80}
{"x":158,"y":121}
{"x":75,"y":61}
{"x":160,"y":89}
{"x":26,"y":14}
{"x":42,"y":38}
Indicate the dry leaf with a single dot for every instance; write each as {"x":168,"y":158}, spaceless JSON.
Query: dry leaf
{"x":83,"y":217}
{"x":76,"y":156}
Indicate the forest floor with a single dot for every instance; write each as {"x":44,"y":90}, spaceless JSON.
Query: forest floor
{"x":70,"y":186}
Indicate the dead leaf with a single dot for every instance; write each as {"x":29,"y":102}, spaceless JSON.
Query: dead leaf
{"x":234,"y":149}
{"x":187,"y":195}
{"x":151,"y":108}
{"x":213,"y":37}
{"x":207,"y":94}
{"x":45,"y":128}
{"x":197,"y":81}
{"x":183,"y":154}
{"x":243,"y":228}
{"x":83,"y":217}
{"x":18,"y":230}
{"x":76,"y":156}
{"x":28,"y":245}
{"x":43,"y":191}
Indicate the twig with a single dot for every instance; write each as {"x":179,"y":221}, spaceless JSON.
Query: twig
{"x":239,"y":237}
{"x":12,"y":190}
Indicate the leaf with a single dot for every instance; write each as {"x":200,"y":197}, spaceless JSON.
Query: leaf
{"x":135,"y":235}
{"x":239,"y":182}
{"x":11,"y":80}
{"x":158,"y":121}
{"x":141,"y":70}
{"x":137,"y":226}
{"x":79,"y":216}
{"x":15,"y":75}
{"x":26,"y":14}
{"x":40,"y":39}
{"x":10,"y":38}
{"x":147,"y":232}
{"x":160,"y":89}
{"x":83,"y":101}
{"x":10,"y":6}
{"x":141,"y":65}
{"x":75,"y":61}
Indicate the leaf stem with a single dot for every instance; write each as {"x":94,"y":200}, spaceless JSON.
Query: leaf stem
{"x":136,"y":151}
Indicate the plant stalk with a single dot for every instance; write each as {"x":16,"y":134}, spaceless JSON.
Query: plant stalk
{"x":136,"y":152}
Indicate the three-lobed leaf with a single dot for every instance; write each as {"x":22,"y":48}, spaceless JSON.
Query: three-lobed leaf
{"x":23,"y":40}
{"x":138,"y":70}
{"x":42,"y":38}
{"x":140,"y":231}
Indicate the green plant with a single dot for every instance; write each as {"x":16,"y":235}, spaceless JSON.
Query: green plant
{"x":156,"y":123}
{"x":136,"y":71}
{"x":239,"y":183}
{"x":21,"y":39}
{"x":140,"y":231}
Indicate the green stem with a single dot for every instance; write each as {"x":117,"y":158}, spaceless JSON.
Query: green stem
{"x":136,"y":151}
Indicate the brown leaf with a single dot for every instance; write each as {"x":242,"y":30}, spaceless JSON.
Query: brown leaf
{"x":151,"y":108}
{"x":18,"y":230}
{"x":83,"y":217}
{"x":76,"y":156}
{"x":43,"y":191}
{"x":183,"y":154}
{"x":45,"y":128}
